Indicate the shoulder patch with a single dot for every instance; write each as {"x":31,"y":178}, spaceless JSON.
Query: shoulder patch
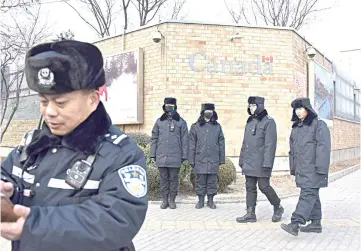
{"x":134,"y":179}
{"x":269,"y":117}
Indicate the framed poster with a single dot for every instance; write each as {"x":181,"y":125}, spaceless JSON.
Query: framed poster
{"x":324,"y":94}
{"x":123,"y":88}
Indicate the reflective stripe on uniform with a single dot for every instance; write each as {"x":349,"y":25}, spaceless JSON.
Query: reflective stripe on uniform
{"x":61,"y":184}
{"x":119,"y":139}
{"x":27,"y":177}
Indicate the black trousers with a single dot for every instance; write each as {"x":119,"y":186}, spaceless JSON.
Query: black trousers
{"x":308,"y":206}
{"x":169,"y":182}
{"x":206,"y":184}
{"x":265,"y":187}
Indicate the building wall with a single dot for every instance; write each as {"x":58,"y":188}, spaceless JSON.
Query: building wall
{"x":230,"y":90}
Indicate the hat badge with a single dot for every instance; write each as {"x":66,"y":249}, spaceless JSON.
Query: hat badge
{"x":46,"y":77}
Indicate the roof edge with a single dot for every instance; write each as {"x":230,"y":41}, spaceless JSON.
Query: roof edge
{"x":170,"y":21}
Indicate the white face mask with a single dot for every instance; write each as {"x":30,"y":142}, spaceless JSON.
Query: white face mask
{"x":252,"y":108}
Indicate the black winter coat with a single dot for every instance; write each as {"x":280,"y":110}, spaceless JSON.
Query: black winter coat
{"x":310,"y":152}
{"x":105,"y":214}
{"x":169,"y":144}
{"x":206,"y":147}
{"x":259,"y":146}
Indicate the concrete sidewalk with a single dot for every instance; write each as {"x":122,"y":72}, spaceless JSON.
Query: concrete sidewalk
{"x":187,"y":228}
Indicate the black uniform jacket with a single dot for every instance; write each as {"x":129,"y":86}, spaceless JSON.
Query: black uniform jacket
{"x":105,"y":214}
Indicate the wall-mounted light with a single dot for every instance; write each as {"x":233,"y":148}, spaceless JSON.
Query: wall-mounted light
{"x":157,"y":36}
{"x":311,"y":52}
{"x":234,"y":36}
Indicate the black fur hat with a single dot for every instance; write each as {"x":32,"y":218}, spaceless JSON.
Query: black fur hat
{"x":256,"y":100}
{"x":64,"y":66}
{"x":170,"y":100}
{"x":302,"y":102}
{"x":207,"y":106}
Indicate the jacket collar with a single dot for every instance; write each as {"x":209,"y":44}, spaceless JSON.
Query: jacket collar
{"x":175,"y":116}
{"x":307,"y":121}
{"x":85,"y":138}
{"x":259,"y":116}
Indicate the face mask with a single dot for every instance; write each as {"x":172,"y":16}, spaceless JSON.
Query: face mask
{"x":252,"y":108}
{"x":169,"y":108}
{"x":208,"y":115}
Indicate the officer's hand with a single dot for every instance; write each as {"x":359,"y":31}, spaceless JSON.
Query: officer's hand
{"x":13,"y":231}
{"x":6,"y":188}
{"x":292,"y":172}
{"x":183,"y":160}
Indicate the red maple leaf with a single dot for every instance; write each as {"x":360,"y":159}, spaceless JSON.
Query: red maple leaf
{"x":103,"y":90}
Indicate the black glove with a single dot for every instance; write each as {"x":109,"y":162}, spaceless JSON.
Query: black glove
{"x":292,"y":172}
{"x":152,"y":158}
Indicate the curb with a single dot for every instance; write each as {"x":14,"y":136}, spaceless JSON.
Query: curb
{"x":230,"y":200}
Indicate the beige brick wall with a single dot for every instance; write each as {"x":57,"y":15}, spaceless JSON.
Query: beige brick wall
{"x":345,"y":134}
{"x":167,"y":73}
{"x":154,"y":74}
{"x":230,"y":91}
{"x":16,"y":131}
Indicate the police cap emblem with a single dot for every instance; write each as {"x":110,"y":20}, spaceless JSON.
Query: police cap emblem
{"x":46,"y":77}
{"x":134,"y":180}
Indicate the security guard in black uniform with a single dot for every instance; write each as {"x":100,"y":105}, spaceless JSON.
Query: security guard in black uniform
{"x":78,"y":182}
{"x":206,"y":153}
{"x":169,"y":148}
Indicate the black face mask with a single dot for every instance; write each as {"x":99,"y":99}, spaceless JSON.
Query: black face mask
{"x":208,"y":115}
{"x":169,"y":108}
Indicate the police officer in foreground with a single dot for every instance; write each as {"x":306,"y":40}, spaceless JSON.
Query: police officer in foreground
{"x":169,"y":147}
{"x":80,"y":182}
{"x":257,"y":158}
{"x":206,"y":154}
{"x":310,"y":153}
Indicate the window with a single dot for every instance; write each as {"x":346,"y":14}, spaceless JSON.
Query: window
{"x":347,"y":101}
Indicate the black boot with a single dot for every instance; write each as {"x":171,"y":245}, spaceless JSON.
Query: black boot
{"x":314,"y":227}
{"x":250,"y":216}
{"x":210,"y":202}
{"x":291,"y":228}
{"x":165,"y":203}
{"x":277,"y":213}
{"x":172,"y":204}
{"x":200,"y":202}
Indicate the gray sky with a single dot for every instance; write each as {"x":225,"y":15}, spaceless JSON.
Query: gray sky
{"x":333,"y":31}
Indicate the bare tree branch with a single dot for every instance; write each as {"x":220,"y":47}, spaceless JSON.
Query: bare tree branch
{"x":287,"y":13}
{"x":147,"y":9}
{"x":125,"y":5}
{"x":16,"y":39}
{"x":65,"y":35}
{"x":6,"y":5}
{"x":103,"y":11}
{"x":177,"y":8}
